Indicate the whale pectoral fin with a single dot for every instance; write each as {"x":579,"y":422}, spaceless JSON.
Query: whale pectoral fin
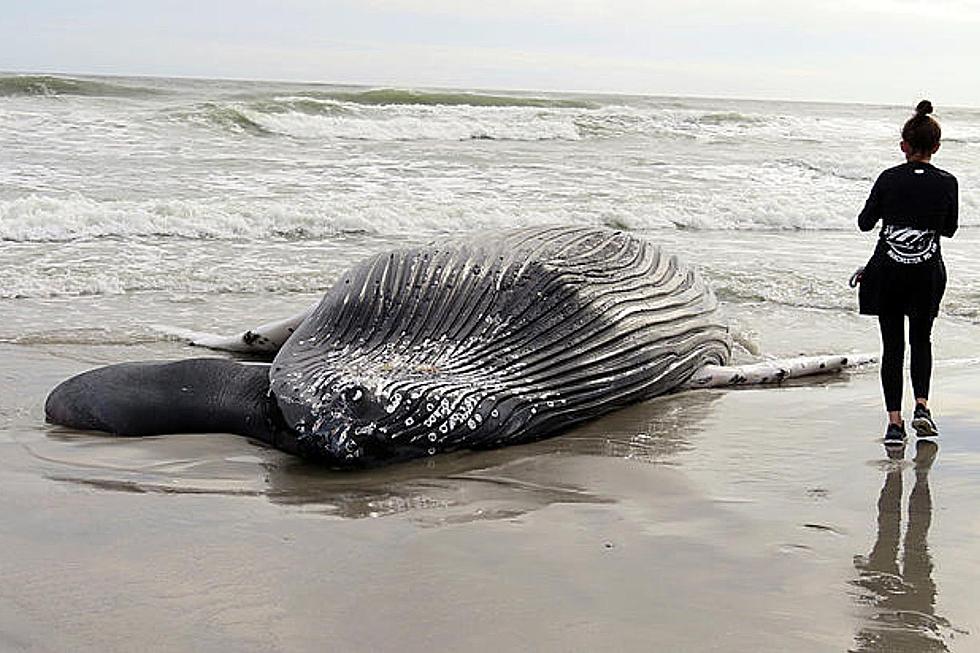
{"x":265,"y":338}
{"x":774,"y":371}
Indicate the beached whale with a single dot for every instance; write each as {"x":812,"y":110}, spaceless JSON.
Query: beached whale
{"x":478,"y":342}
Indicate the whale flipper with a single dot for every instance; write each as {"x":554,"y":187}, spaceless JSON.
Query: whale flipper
{"x":265,"y":338}
{"x":774,"y":371}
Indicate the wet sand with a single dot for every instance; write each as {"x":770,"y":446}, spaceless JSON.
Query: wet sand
{"x":749,"y":520}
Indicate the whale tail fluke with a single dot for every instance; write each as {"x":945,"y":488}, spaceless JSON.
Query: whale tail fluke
{"x":775,"y":371}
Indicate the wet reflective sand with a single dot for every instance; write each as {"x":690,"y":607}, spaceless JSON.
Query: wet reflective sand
{"x":763,"y":520}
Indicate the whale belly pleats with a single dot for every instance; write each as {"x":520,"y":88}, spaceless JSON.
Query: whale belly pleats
{"x":495,"y":339}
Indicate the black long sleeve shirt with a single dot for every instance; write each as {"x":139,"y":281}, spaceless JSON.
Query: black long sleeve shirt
{"x":915,"y":195}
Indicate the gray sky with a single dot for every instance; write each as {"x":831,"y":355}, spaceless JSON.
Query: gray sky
{"x":890,"y":51}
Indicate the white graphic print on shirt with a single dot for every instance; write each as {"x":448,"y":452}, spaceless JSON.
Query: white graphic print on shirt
{"x":909,"y":245}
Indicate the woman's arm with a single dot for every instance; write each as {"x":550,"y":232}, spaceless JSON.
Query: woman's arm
{"x":869,"y":215}
{"x":952,"y":217}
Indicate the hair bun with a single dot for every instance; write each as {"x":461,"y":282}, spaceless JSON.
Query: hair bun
{"x":923,"y":108}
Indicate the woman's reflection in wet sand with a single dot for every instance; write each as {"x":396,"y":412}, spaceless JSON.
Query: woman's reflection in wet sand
{"x":900,"y":590}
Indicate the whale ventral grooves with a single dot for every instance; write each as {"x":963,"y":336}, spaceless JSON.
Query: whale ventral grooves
{"x":491,"y":340}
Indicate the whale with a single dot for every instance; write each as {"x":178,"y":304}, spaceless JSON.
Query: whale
{"x":474,"y":342}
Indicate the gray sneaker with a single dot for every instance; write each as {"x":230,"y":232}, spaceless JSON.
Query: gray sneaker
{"x":922,"y":422}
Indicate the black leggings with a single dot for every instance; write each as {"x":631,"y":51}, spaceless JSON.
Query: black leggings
{"x":893,"y":356}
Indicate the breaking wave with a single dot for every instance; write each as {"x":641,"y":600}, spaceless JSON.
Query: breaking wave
{"x":306,"y":118}
{"x":350,"y":117}
{"x":61,"y":219}
{"x":224,"y":117}
{"x":39,"y":219}
{"x":394,"y":96}
{"x":49,"y":85}
{"x":727,"y":118}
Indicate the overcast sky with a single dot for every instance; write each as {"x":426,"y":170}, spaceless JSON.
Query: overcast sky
{"x":889,"y":51}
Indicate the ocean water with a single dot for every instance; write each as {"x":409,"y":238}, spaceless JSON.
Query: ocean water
{"x":130,"y":202}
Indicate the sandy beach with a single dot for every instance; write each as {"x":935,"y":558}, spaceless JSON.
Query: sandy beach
{"x":755,"y":519}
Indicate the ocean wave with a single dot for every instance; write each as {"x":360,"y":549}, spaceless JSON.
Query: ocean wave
{"x":364,"y":116}
{"x":223,"y":116}
{"x":700,"y":125}
{"x":964,"y":140}
{"x":45,"y":219}
{"x":767,"y":207}
{"x":614,"y":121}
{"x":49,"y":85}
{"x":412,"y":128}
{"x":851,"y":172}
{"x":304,"y":118}
{"x":395,"y":96}
{"x":36,"y":218}
{"x":301,"y":116}
{"x":301,"y":104}
{"x":727,"y":118}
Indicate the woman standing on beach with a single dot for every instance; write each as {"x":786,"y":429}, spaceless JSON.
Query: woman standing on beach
{"x":916,"y":203}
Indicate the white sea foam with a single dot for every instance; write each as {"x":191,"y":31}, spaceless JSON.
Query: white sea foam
{"x":316,"y":118}
{"x":772,"y":197}
{"x":50,"y":219}
{"x":37,"y":218}
{"x":53,"y":219}
{"x":447,"y":124}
